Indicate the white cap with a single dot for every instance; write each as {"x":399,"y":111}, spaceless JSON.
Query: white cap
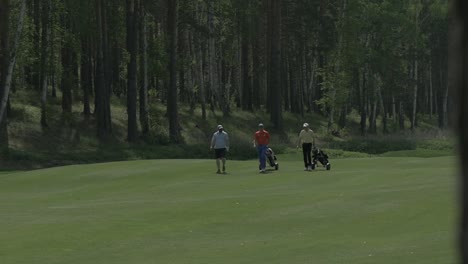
{"x":305,"y":125}
{"x":220,"y":127}
{"x":260,"y":125}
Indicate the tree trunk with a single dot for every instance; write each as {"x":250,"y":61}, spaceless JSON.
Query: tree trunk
{"x":431,"y":100}
{"x":36,"y":19}
{"x":257,"y":65}
{"x":362,"y":102}
{"x":342,"y":119}
{"x":331,"y":112}
{"x":182,"y":55}
{"x":285,"y":80}
{"x":67,"y":78}
{"x":373,"y":101}
{"x":310,"y":88}
{"x":7,"y":76}
{"x":106,"y":50}
{"x":45,"y":70}
{"x":86,"y":70}
{"x":246,"y":87}
{"x":293,"y":94}
{"x":383,"y":109}
{"x":4,"y":60}
{"x":226,"y":94}
{"x":304,"y":81}
{"x":269,"y":33}
{"x":212,"y":66}
{"x":172,"y":107}
{"x":373,"y":117}
{"x":199,"y":58}
{"x":104,"y":125}
{"x":415,"y":96}
{"x":276,"y":115}
{"x":132,"y":44}
{"x":319,"y":86}
{"x":144,"y":107}
{"x":445,"y":107}
{"x":443,"y":113}
{"x":53,"y":62}
{"x":401,"y":116}
{"x":201,"y":78}
{"x":192,"y":70}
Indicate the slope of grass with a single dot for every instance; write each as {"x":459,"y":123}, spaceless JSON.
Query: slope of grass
{"x":367,"y":210}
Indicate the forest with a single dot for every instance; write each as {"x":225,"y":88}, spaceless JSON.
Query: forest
{"x":382,"y":60}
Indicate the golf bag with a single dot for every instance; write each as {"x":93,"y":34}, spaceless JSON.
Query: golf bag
{"x":320,"y":158}
{"x":271,"y":158}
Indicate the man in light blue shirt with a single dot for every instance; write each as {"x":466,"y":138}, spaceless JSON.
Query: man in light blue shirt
{"x":220,"y":144}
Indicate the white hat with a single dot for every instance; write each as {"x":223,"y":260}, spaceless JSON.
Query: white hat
{"x":260,"y":125}
{"x":305,"y":125}
{"x":220,"y":127}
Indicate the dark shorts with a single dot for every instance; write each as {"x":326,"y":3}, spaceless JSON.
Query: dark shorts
{"x":220,"y":153}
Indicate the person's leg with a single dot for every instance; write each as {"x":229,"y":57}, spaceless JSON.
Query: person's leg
{"x":223,"y":159}
{"x":304,"y":155}
{"x":217,"y":157}
{"x":308,"y":154}
{"x":259,"y":152}
{"x":263,"y":157}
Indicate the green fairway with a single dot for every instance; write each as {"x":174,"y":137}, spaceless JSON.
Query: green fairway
{"x":369,"y":210}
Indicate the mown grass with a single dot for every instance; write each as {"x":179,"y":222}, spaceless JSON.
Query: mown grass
{"x":366,"y":210}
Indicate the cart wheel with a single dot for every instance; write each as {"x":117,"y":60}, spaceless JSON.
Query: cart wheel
{"x":328,"y":166}
{"x":276,"y":166}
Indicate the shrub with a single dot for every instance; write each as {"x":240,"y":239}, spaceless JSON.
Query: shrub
{"x":374,"y":146}
{"x":340,"y":154}
{"x":158,"y":135}
{"x":437,"y":144}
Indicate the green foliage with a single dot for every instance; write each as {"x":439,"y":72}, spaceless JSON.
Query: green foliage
{"x":374,"y":146}
{"x":158,"y":58}
{"x":342,"y":154}
{"x":158,"y":135}
{"x":438,"y":144}
{"x":23,"y":156}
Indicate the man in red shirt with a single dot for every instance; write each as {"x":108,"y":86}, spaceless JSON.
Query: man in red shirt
{"x":261,"y":141}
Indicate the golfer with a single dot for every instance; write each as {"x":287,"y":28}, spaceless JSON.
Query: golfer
{"x":261,"y":141}
{"x":306,"y":139}
{"x":220,"y":144}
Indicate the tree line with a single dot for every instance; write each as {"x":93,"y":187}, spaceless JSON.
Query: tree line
{"x":380,"y":59}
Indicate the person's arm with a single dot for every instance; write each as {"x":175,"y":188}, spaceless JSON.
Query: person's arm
{"x":299,"y":139}
{"x":212,"y":142}
{"x":255,"y":141}
{"x":313,"y":138}
{"x":227,"y":142}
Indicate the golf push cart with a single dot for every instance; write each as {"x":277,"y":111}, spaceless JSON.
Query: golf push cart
{"x":320,"y":158}
{"x":271,"y":158}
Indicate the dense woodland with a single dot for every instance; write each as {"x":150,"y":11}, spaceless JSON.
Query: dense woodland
{"x":383,"y":60}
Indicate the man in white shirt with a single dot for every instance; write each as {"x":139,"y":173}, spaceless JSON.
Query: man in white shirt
{"x":220,"y":144}
{"x":306,"y":139}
